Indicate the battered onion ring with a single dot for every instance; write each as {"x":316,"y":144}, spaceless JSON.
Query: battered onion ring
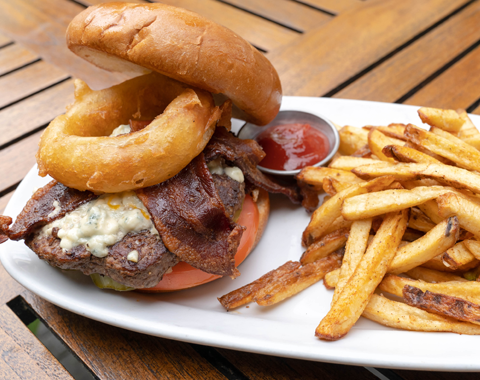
{"x":76,"y":151}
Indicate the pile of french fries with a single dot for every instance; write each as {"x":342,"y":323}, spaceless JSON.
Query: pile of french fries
{"x":398,"y":236}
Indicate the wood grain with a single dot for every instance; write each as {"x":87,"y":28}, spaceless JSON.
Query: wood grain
{"x":17,"y":159}
{"x":289,"y":13}
{"x":113,"y":353}
{"x":397,"y":76}
{"x":40,"y":26}
{"x":269,"y":367}
{"x":322,"y":59}
{"x":35,"y":111}
{"x":261,"y":33}
{"x":13,"y":57}
{"x":456,"y":88}
{"x":332,"y":6}
{"x":4,"y":40}
{"x":29,"y":80}
{"x":41,"y":361}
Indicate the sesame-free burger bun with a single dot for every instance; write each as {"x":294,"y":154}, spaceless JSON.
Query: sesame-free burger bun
{"x":136,"y":38}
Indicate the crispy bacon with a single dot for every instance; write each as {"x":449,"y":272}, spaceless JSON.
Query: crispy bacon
{"x":246,"y":154}
{"x":40,"y":209}
{"x":191,"y":219}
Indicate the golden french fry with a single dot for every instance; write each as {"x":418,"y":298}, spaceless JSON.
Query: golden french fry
{"x":457,"y":151}
{"x":408,"y":155}
{"x":352,"y":139}
{"x":431,"y":275}
{"x":433,"y":243}
{"x":294,"y":282}
{"x":466,"y":210}
{"x":364,"y":152}
{"x":394,"y":130}
{"x":369,"y":272}
{"x":331,"y":210}
{"x":401,"y":316}
{"x":458,"y":256}
{"x":419,"y":220}
{"x":473,"y":141}
{"x":438,"y":264}
{"x":354,"y":250}
{"x":314,"y":176}
{"x":441,"y":304}
{"x":469,"y":290}
{"x":447,"y":120}
{"x":247,"y":293}
{"x":473,"y":246}
{"x":377,"y":141}
{"x":468,"y":129}
{"x":450,"y":175}
{"x":328,"y":186}
{"x":348,"y":163}
{"x":331,"y":278}
{"x":325,"y":246}
{"x":372,"y":204}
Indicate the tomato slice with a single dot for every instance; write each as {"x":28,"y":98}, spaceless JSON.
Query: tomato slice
{"x":185,"y":276}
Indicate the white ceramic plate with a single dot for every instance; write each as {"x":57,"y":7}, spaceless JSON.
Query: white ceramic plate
{"x":286,"y":329}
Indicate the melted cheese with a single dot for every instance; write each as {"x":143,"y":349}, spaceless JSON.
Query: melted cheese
{"x":101,"y":223}
{"x":217,"y":167}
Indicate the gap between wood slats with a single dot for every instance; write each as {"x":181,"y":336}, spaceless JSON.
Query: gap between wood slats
{"x":15,"y":56}
{"x":405,"y":72}
{"x":287,"y":13}
{"x":333,"y":7}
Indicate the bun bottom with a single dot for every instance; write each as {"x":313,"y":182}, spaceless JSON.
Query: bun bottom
{"x":183,"y":276}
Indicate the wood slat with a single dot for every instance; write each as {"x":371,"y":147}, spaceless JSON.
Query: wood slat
{"x":332,"y":6}
{"x":4,"y":40}
{"x":38,"y":359}
{"x":458,"y":87}
{"x":285,"y":12}
{"x":40,"y":26}
{"x":29,"y":80}
{"x":425,"y":375}
{"x":4,"y":201}
{"x":324,"y":58}
{"x":113,"y":353}
{"x":17,"y":159}
{"x":397,"y":76}
{"x":257,"y":366}
{"x":35,"y":111}
{"x":15,"y":56}
{"x":259,"y":32}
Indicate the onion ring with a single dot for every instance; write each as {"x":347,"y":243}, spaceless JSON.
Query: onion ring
{"x":75,"y":148}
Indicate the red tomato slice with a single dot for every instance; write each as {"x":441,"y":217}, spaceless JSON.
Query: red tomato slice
{"x":185,"y":276}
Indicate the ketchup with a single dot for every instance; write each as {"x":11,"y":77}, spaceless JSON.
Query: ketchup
{"x":292,"y":146}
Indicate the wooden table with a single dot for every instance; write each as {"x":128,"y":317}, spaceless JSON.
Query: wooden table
{"x":411,"y":52}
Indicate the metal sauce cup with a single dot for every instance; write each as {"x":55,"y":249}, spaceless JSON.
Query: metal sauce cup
{"x":317,"y":121}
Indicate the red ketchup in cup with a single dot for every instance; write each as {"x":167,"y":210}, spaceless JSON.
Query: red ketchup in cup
{"x":292,"y":146}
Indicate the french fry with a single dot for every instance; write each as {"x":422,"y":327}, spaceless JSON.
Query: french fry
{"x":377,"y":141}
{"x":393,"y":130}
{"x":459,"y":152}
{"x":468,"y":290}
{"x":453,"y":176}
{"x":352,"y":139}
{"x":325,"y":246}
{"x":419,"y":221}
{"x":331,"y":278}
{"x":314,"y":176}
{"x":401,"y":316}
{"x":298,"y":280}
{"x":364,"y":152}
{"x":369,"y":272}
{"x":443,"y":160}
{"x":473,"y":246}
{"x":408,"y":155}
{"x":438,"y":264}
{"x":433,"y":243}
{"x":447,"y":306}
{"x":354,"y":250}
{"x":331,"y":210}
{"x":448,"y":120}
{"x":328,"y":186}
{"x":458,"y":256}
{"x":468,"y":129}
{"x":372,"y":204}
{"x":466,"y":210}
{"x":348,"y":163}
{"x":431,"y":275}
{"x":473,"y":141}
{"x":247,"y":293}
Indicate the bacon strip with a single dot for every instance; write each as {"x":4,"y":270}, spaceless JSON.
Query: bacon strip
{"x":246,"y":154}
{"x":39,"y":210}
{"x":191,"y":219}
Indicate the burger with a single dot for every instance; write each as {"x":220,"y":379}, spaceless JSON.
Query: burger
{"x":150,"y":190}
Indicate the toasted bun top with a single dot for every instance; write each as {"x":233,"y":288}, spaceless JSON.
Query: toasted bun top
{"x":179,"y":44}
